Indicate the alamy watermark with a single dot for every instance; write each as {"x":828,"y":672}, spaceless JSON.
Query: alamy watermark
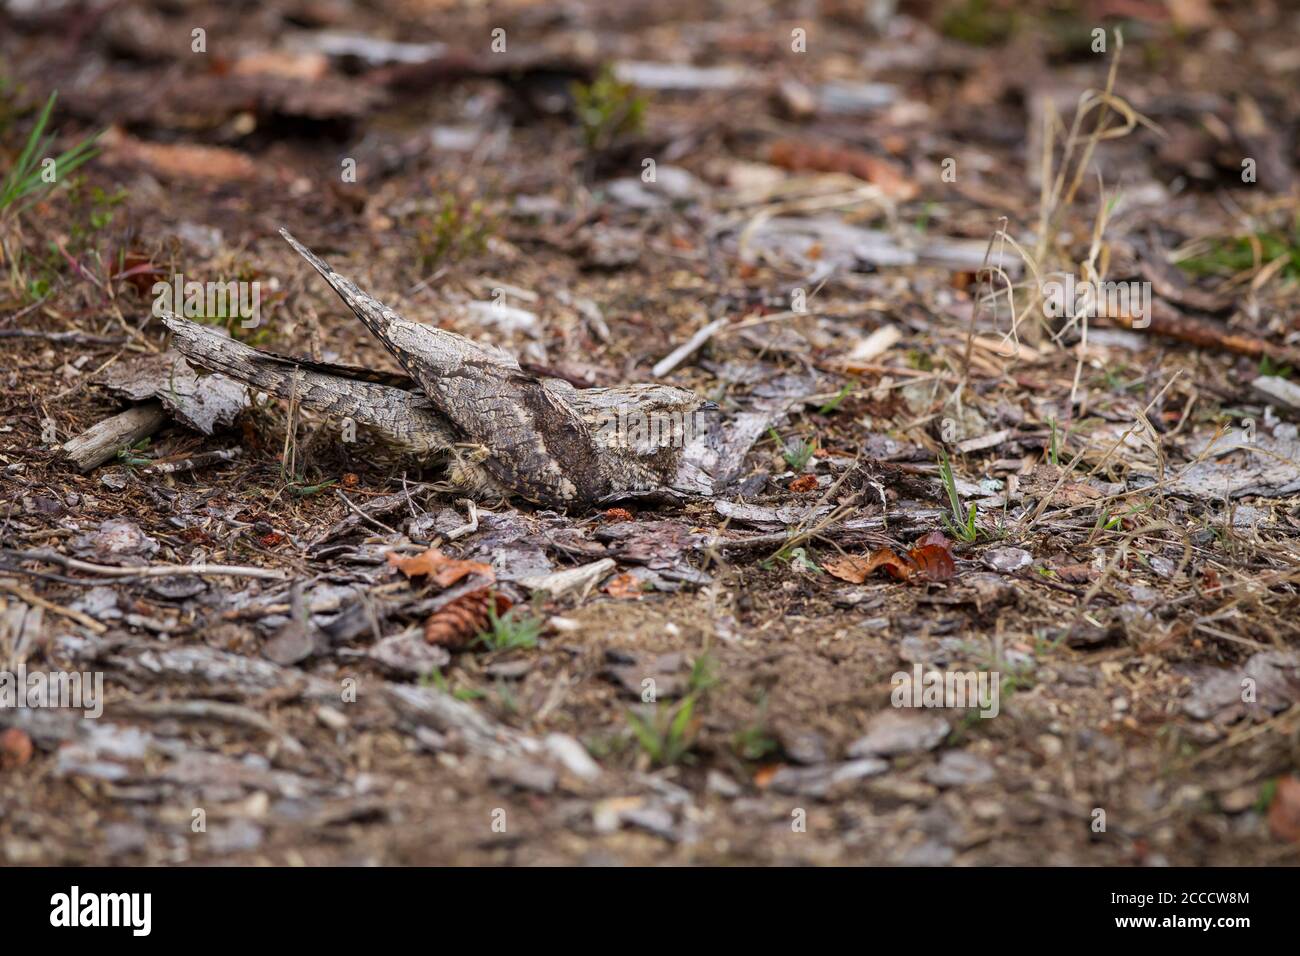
{"x":75,"y":908}
{"x":943,"y":689}
{"x":643,"y":430}
{"x":209,"y":300}
{"x":1069,"y":298}
{"x":82,"y":691}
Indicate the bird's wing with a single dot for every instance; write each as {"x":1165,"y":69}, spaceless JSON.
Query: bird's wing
{"x":442,"y":351}
{"x":403,"y":417}
{"x":537,"y":443}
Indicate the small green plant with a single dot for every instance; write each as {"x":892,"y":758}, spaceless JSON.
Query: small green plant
{"x":703,"y":675}
{"x":1231,"y":256}
{"x":128,"y":457}
{"x":602,"y":746}
{"x":1015,"y":679}
{"x":38,"y":289}
{"x":1267,"y":791}
{"x":457,"y":229}
{"x":962,"y":524}
{"x":834,"y":403}
{"x":755,"y":742}
{"x":1053,"y":452}
{"x":666,"y":734}
{"x":96,"y":206}
{"x":437,"y":680}
{"x":300,"y":490}
{"x":918,"y":360}
{"x":796,"y":453}
{"x":607,"y":108}
{"x":511,"y":630}
{"x":978,"y":22}
{"x":796,"y":557}
{"x":799,"y":561}
{"x":923,"y":220}
{"x":28,"y":180}
{"x":1268,"y":367}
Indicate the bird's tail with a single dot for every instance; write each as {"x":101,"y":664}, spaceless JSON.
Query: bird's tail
{"x":404,"y":418}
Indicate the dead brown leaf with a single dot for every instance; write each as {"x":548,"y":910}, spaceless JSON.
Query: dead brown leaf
{"x":764,"y":774}
{"x":15,"y":748}
{"x":441,"y":569}
{"x":624,"y":587}
{"x":856,"y":568}
{"x":933,"y":562}
{"x":804,"y":483}
{"x":825,"y":158}
{"x":1284,"y":811}
{"x":930,"y":560}
{"x":306,"y":66}
{"x":217,"y":164}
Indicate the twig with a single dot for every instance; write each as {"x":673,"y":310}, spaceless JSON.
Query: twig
{"x":680,"y":354}
{"x":363,"y":516}
{"x":201,"y":460}
{"x":29,"y":598}
{"x":148,"y":571}
{"x":76,"y":338}
{"x":470,"y":526}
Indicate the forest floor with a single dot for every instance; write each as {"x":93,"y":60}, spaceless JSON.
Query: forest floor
{"x":863,"y":221}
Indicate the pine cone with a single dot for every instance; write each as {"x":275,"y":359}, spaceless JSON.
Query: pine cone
{"x":455,"y":624}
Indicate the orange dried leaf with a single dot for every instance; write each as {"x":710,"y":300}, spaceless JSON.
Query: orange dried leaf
{"x":934,"y":537}
{"x":804,"y":483}
{"x":932,"y":555}
{"x":933,"y":562}
{"x":1284,"y":811}
{"x":763,"y":775}
{"x":441,"y":569}
{"x":213,"y":164}
{"x":15,"y":748}
{"x":855,"y":568}
{"x":799,"y":156}
{"x":624,"y":587}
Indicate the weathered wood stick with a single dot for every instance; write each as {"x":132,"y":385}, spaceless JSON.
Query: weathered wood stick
{"x":201,"y":460}
{"x":101,"y":442}
{"x":684,"y":351}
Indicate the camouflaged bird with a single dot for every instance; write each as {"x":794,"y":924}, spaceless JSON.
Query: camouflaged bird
{"x":501,"y":430}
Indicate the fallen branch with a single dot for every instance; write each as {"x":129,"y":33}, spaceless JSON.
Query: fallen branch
{"x":201,"y":460}
{"x":1170,"y":323}
{"x":75,"y":338}
{"x":148,"y":571}
{"x":684,"y":351}
{"x":103,"y":441}
{"x":27,"y":597}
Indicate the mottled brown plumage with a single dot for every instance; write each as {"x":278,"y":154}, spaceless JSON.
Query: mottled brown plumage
{"x":505,"y":429}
